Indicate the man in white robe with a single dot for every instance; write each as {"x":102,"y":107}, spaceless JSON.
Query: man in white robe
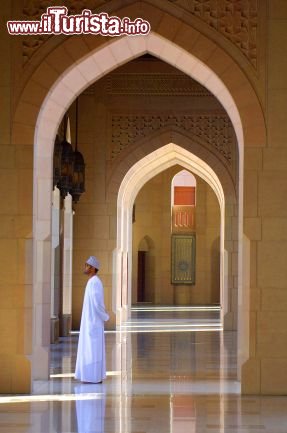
{"x":91,"y":357}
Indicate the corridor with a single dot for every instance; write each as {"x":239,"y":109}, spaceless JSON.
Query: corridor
{"x":170,"y":370}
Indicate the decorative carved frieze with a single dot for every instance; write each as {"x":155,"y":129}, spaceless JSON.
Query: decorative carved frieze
{"x":213,"y":128}
{"x":237,"y":20}
{"x":149,"y":84}
{"x":154,"y":84}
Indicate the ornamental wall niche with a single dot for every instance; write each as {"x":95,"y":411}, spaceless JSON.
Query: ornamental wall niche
{"x":236,"y":20}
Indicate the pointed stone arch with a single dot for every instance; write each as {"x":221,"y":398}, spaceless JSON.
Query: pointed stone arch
{"x":60,"y":96}
{"x":189,"y":142}
{"x":134,"y":179}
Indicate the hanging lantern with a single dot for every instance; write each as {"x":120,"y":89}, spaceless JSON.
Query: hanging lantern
{"x":78,"y":176}
{"x":57,"y":157}
{"x":79,"y":168}
{"x":67,"y":163}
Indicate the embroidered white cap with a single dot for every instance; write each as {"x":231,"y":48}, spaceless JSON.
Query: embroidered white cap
{"x":92,"y":261}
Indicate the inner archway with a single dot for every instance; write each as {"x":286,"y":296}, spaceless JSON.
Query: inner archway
{"x":152,"y":164}
{"x":174,"y":259}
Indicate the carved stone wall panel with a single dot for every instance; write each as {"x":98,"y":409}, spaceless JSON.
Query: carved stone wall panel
{"x":183,"y":219}
{"x":213,"y":128}
{"x":33,"y":9}
{"x":237,"y":20}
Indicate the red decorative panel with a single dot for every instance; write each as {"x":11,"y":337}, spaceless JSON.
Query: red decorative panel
{"x":184,"y":195}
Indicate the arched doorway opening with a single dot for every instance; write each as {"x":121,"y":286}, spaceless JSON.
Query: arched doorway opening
{"x":149,"y":166}
{"x":143,"y":269}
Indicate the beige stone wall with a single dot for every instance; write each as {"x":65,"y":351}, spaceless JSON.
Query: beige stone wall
{"x":267,"y":175}
{"x":153,"y":223}
{"x":15,"y":236}
{"x":265,"y":226}
{"x":94,"y":220}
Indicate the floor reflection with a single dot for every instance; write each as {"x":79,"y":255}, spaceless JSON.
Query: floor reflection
{"x":176,"y":376}
{"x":90,"y":413}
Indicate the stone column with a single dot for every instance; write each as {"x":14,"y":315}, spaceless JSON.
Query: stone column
{"x":244,"y":308}
{"x":55,"y":261}
{"x":67,"y":266}
{"x":230,"y":298}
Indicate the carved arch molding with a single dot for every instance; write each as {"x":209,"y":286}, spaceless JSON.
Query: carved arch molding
{"x":236,"y":20}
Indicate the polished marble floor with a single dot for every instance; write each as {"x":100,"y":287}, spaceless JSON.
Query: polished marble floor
{"x":169,"y":371}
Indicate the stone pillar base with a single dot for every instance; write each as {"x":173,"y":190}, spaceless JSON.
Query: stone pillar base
{"x":229,"y":321}
{"x":15,"y":374}
{"x":250,"y":376}
{"x":66,"y":325}
{"x":54,"y":330}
